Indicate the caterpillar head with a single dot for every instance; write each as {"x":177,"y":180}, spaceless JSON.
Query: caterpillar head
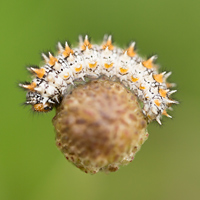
{"x":40,"y":107}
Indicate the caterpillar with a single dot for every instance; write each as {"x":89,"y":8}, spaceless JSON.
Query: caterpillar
{"x":92,"y":61}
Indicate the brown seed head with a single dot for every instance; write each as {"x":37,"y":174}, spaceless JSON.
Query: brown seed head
{"x":100,"y":126}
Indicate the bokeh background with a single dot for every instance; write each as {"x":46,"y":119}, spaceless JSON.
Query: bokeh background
{"x":167,"y":167}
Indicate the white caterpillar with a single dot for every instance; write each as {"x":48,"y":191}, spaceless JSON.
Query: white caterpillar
{"x":92,"y":61}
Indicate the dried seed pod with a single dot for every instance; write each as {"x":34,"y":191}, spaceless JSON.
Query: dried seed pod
{"x":100,"y":126}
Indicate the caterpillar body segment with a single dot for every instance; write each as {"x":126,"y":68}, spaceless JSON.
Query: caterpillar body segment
{"x":88,"y":60}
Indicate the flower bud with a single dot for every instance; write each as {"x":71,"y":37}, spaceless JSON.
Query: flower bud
{"x":100,"y":126}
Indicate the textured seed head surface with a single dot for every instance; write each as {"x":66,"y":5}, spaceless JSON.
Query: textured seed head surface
{"x":100,"y":126}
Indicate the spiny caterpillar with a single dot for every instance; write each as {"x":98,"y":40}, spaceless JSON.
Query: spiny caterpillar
{"x":92,"y":61}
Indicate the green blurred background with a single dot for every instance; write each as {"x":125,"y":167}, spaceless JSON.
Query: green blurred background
{"x":167,"y":167}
